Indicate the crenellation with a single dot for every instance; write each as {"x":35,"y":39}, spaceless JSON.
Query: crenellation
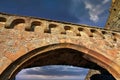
{"x":52,"y":27}
{"x":86,"y":31}
{"x":81,"y":29}
{"x":33,"y":25}
{"x":4,"y":17}
{"x":28,"y":22}
{"x":3,"y":20}
{"x":13,"y":21}
{"x":97,"y":33}
{"x":116,"y":37}
{"x":68,"y":30}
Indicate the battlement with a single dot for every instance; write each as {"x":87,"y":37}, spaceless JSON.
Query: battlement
{"x":38,"y":25}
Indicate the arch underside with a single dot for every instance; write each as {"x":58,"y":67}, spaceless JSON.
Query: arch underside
{"x":57,"y":54}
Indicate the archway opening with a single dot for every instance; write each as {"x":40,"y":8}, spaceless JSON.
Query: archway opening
{"x":64,"y":56}
{"x":54,"y":56}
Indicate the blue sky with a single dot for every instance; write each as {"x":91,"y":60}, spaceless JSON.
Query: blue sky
{"x":90,"y":12}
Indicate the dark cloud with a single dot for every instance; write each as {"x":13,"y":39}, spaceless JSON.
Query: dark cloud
{"x":57,"y":71}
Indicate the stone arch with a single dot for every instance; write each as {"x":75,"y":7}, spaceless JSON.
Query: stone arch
{"x":16,"y":22}
{"x":96,"y":59}
{"x":33,"y":25}
{"x":3,"y":20}
{"x":50,"y":27}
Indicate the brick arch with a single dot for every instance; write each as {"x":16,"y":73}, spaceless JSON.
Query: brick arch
{"x":16,"y":22}
{"x":32,"y":25}
{"x":87,"y":54}
{"x":11,"y":23}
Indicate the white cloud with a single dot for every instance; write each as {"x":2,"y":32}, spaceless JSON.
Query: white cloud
{"x":76,"y":8}
{"x":51,"y":73}
{"x":46,"y":77}
{"x":94,"y":11}
{"x":105,"y":1}
{"x":94,"y":8}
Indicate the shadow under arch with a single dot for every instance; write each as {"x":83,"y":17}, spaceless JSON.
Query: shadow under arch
{"x":16,"y":22}
{"x":2,"y":19}
{"x":60,"y":54}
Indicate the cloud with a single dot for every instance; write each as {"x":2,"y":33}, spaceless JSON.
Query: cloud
{"x":90,"y":11}
{"x":77,"y":9}
{"x":56,"y":71}
{"x":44,"y":77}
{"x":105,"y":1}
{"x":95,"y":10}
{"x":53,"y":72}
